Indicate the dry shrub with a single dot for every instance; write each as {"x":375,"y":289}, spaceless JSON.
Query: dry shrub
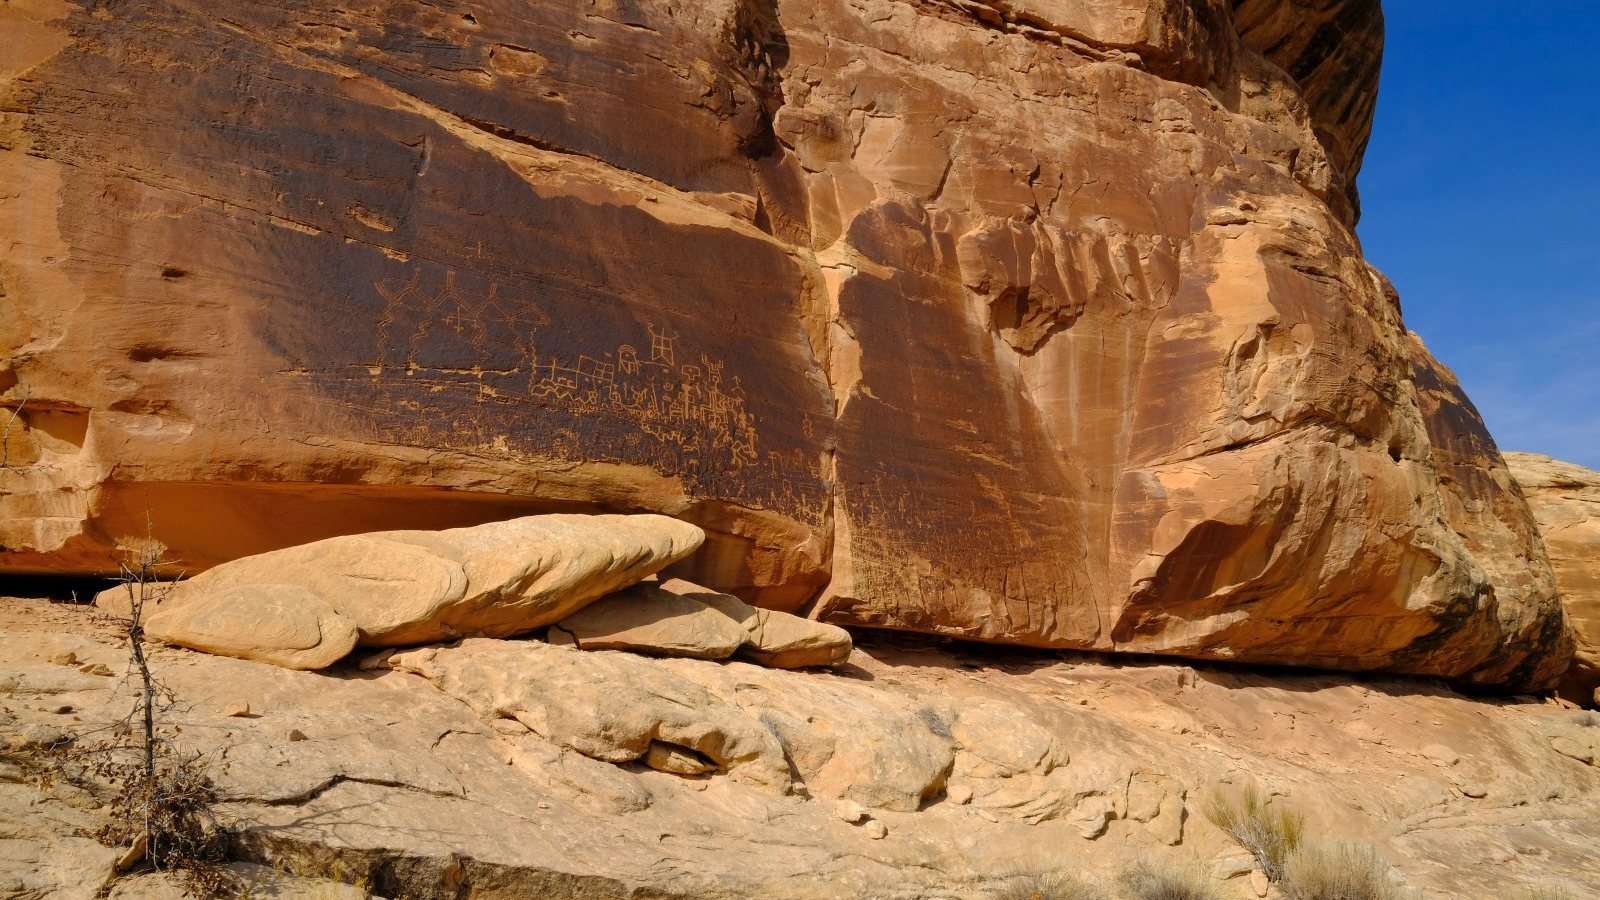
{"x":160,"y":799}
{"x":1337,"y":871}
{"x":1271,"y":832}
{"x":162,"y":820}
{"x":1050,"y":887}
{"x":1145,"y":880}
{"x":169,"y":815}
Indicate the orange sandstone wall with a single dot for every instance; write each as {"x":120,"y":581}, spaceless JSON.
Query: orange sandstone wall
{"x":1035,"y":321}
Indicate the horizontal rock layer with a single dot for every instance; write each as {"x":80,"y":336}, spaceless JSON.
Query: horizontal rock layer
{"x":1024,"y":321}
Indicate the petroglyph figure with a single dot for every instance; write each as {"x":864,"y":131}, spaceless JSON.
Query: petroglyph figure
{"x":447,"y":338}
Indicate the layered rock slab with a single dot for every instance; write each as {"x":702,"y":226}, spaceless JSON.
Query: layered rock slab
{"x":772,"y":638}
{"x":1565,"y":498}
{"x":680,"y":618}
{"x":652,"y":618}
{"x":1029,"y":322}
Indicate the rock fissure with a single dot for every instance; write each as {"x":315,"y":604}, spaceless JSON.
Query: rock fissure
{"x":335,"y":781}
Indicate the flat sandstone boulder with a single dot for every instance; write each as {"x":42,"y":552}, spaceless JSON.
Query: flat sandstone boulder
{"x":283,"y":624}
{"x":680,"y":618}
{"x":774,"y":639}
{"x":118,"y":600}
{"x":410,"y":587}
{"x":649,"y":618}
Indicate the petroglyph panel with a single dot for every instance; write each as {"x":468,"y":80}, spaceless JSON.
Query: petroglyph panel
{"x":956,"y":514}
{"x":461,"y":360}
{"x":418,"y":252}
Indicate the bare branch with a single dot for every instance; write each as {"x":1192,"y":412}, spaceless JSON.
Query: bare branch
{"x":5,"y":433}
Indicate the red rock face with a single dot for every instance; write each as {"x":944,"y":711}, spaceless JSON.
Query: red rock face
{"x":1565,"y":498}
{"x":1036,"y":322}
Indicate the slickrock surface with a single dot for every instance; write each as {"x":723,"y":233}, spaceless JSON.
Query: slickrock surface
{"x":1566,"y":501}
{"x":1033,"y":321}
{"x":476,"y":770}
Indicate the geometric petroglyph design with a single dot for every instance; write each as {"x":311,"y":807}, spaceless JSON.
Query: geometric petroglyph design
{"x":471,"y":315}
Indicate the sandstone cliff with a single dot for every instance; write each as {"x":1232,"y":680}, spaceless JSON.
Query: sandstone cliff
{"x":1566,"y":502}
{"x":1017,"y":320}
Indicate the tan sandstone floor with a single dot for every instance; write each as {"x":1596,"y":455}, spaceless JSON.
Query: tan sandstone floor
{"x":1071,"y":764}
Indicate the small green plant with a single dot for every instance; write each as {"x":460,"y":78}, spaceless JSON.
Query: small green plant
{"x":1050,"y":887}
{"x":1146,"y":880}
{"x":1586,"y":720}
{"x":1547,"y":893}
{"x":1270,"y":831}
{"x":1337,"y":871}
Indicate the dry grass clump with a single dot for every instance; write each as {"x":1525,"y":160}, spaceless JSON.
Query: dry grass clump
{"x":1050,"y":887}
{"x":1145,"y":880}
{"x":1547,"y":893}
{"x":1337,"y":871}
{"x":1271,"y":832}
{"x":302,"y":880}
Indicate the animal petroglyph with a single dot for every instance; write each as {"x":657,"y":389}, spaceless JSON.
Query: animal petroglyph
{"x":683,"y":404}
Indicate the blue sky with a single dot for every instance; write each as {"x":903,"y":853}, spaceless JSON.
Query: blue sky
{"x":1481,"y":202}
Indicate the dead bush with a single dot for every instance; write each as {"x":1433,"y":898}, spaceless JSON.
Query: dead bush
{"x":1269,"y":831}
{"x":1337,"y":871}
{"x":165,"y":818}
{"x":159,"y":799}
{"x":1146,"y":880}
{"x":163,"y":798}
{"x":1050,"y":887}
